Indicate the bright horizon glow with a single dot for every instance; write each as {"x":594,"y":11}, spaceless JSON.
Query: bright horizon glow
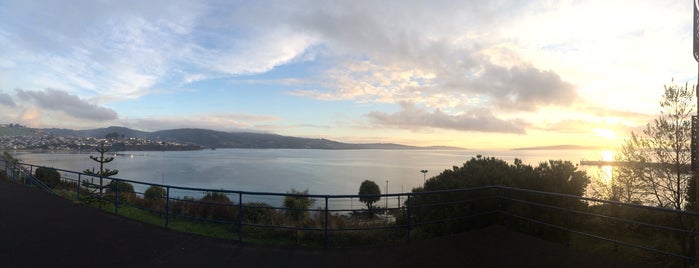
{"x":474,"y":74}
{"x":607,"y":155}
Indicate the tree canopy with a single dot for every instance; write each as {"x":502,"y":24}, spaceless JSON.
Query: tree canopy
{"x":369,"y":188}
{"x":552,"y":176}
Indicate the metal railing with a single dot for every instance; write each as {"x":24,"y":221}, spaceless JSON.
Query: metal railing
{"x":329,"y":221}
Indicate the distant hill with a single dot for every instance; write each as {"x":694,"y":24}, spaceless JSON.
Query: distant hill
{"x":563,"y":147}
{"x":219,"y":139}
{"x":16,"y":131}
{"x":98,"y":132}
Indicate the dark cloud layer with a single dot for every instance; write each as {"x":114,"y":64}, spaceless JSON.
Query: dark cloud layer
{"x":70,"y":104}
{"x":479,"y":120}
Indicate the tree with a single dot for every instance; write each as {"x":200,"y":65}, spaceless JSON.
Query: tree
{"x":9,"y":158}
{"x":102,"y":173}
{"x":369,"y":188}
{"x":48,"y":176}
{"x":297,"y":204}
{"x":10,"y":161}
{"x":660,"y":156}
{"x":216,"y":206}
{"x":155,"y":193}
{"x":626,"y":183}
{"x":552,"y":176}
{"x":155,"y":196}
{"x":125,"y":190}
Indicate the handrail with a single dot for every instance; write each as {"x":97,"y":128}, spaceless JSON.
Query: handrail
{"x":457,"y":208}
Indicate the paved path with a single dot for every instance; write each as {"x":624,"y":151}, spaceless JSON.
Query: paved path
{"x":41,"y":230}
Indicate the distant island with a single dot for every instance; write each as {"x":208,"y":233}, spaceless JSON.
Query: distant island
{"x":563,"y":147}
{"x":122,"y":138}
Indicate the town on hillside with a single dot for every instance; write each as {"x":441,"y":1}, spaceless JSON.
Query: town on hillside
{"x":34,"y":139}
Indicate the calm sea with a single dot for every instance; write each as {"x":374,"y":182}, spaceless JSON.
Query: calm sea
{"x":279,"y":170}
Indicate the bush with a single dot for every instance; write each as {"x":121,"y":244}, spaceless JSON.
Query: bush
{"x":215,"y":206}
{"x":48,"y":176}
{"x":258,"y":213}
{"x":155,"y":193}
{"x":125,"y":189}
{"x":297,"y":205}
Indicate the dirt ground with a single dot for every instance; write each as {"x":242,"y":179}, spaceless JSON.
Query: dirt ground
{"x":38,"y":229}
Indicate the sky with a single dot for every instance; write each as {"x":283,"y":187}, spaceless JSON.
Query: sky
{"x":481,"y":74}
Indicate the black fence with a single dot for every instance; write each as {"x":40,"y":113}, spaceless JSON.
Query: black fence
{"x":649,"y":234}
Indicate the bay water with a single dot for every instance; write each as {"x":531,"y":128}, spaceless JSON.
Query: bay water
{"x":279,"y":170}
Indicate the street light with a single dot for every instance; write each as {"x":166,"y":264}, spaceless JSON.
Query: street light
{"x":424,"y":174}
{"x":386,"y":211}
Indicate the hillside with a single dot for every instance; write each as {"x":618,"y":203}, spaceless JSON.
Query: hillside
{"x":218,"y":139}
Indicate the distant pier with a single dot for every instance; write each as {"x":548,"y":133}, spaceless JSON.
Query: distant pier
{"x":600,"y":163}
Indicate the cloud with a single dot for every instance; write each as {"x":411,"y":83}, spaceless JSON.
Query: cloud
{"x":6,"y":99}
{"x":220,"y":121}
{"x":478,"y":120}
{"x":70,"y":104}
{"x":407,"y":54}
{"x":523,"y":87}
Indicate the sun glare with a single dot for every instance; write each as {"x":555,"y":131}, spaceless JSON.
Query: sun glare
{"x":607,"y":155}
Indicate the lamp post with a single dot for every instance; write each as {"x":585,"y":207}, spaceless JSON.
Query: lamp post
{"x":424,"y":175}
{"x":386,"y":208}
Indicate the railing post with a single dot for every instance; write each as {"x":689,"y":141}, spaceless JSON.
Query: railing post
{"x":407,"y":208}
{"x":79,"y":182}
{"x":505,"y":207}
{"x":240,"y":217}
{"x":568,"y":220}
{"x":116,"y":197}
{"x":14,"y":171}
{"x":614,"y":228}
{"x":325,"y":243}
{"x":167,"y":205}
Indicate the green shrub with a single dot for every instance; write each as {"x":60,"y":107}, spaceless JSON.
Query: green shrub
{"x":258,"y":213}
{"x":125,"y":189}
{"x":216,"y":206}
{"x":48,"y":176}
{"x":297,"y":206}
{"x":155,"y":193}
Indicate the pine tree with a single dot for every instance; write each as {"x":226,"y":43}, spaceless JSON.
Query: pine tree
{"x":102,"y":173}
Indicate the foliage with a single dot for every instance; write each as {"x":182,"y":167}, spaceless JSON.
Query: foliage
{"x":125,"y":190}
{"x":103,"y":172}
{"x":9,"y":158}
{"x":95,"y":190}
{"x":155,"y":193}
{"x":258,"y":213}
{"x":369,"y":188}
{"x":216,"y":197}
{"x":297,"y":204}
{"x":48,"y":176}
{"x":216,"y":206}
{"x":552,"y":176}
{"x":660,"y":156}
{"x":625,"y":183}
